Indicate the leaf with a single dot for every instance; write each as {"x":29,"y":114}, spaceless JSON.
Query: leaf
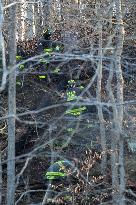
{"x":42,"y":76}
{"x":81,"y":87}
{"x":56,"y":70}
{"x":76,"y":111}
{"x":71,"y":82}
{"x":57,"y":48}
{"x":21,"y":67}
{"x":71,"y":95}
{"x":48,"y":50}
{"x":43,"y":61}
{"x":90,"y":126}
{"x":18,"y":58}
{"x":70,"y":129}
{"x":18,"y":83}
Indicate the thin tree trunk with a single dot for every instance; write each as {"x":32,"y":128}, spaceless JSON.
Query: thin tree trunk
{"x":117,"y":141}
{"x":21,"y":17}
{"x":114,"y":139}
{"x":29,"y":21}
{"x":1,"y":65}
{"x":3,"y":78}
{"x":37,"y":20}
{"x":119,"y":76}
{"x":114,"y":168}
{"x":122,"y":172}
{"x":11,"y":106}
{"x":100,"y":112}
{"x":46,"y":14}
{"x":0,"y":177}
{"x":19,"y":22}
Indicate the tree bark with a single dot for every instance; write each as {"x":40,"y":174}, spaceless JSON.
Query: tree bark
{"x":46,"y":9}
{"x":114,"y":139}
{"x":1,"y":65}
{"x":3,"y":78}
{"x":11,"y":106}
{"x":37,"y":20}
{"x":117,"y":141}
{"x":0,"y":177}
{"x":120,"y":83}
{"x":99,"y":107}
{"x":29,"y":21}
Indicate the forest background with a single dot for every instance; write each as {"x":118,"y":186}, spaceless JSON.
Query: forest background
{"x":68,"y":85}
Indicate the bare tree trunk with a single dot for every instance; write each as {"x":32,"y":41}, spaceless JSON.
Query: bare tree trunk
{"x":46,"y":13}
{"x":21,"y":16}
{"x":2,"y":52}
{"x":11,"y":106}
{"x":19,"y":22}
{"x":1,"y":65}
{"x":114,"y":139}
{"x":114,"y":168}
{"x":117,"y":141}
{"x":0,"y":180}
{"x":29,"y":21}
{"x":100,"y":112}
{"x":122,"y":172}
{"x":38,"y":20}
{"x":119,"y":76}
